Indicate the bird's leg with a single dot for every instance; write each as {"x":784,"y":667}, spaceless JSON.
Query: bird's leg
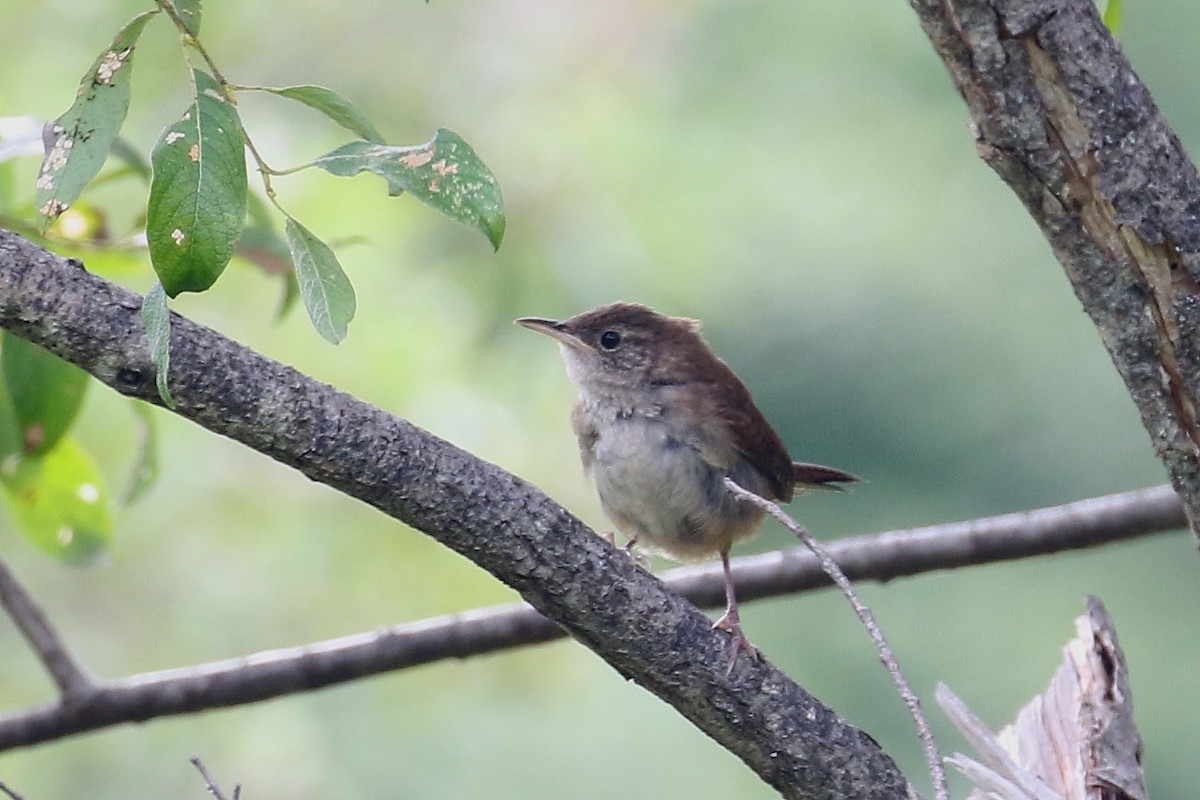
{"x":731,"y":621}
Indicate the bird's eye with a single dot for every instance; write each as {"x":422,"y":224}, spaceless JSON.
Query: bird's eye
{"x":609,"y":340}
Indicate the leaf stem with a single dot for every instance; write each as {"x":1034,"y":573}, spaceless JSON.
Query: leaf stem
{"x":227,"y":90}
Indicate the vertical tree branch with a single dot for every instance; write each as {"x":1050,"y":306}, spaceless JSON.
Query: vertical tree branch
{"x":1062,"y":118}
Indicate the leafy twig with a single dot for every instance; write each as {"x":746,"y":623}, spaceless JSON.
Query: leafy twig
{"x":193,"y":41}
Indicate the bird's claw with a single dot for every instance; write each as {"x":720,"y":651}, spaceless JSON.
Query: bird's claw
{"x":738,"y":643}
{"x":639,"y":559}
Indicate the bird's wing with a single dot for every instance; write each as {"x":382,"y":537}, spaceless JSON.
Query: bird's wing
{"x":730,"y":429}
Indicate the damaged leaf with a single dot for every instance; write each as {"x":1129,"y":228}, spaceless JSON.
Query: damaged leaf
{"x":444,"y":173}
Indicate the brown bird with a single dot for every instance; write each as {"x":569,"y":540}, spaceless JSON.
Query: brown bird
{"x":661,"y":422}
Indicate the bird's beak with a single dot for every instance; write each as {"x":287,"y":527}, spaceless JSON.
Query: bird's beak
{"x":555,"y":330}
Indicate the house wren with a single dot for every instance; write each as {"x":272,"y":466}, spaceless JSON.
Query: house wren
{"x":661,"y":422}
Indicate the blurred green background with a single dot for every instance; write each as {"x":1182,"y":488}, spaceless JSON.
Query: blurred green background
{"x":800,"y":176}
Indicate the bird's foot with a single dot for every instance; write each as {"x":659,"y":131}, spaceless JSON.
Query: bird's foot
{"x":738,"y":643}
{"x":639,"y":559}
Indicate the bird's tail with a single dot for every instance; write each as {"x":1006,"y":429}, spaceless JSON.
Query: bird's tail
{"x":815,"y":476}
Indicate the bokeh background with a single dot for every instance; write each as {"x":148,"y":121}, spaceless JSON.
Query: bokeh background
{"x":799,"y":175}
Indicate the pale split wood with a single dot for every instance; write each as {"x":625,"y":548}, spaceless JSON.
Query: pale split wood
{"x":1075,"y":741}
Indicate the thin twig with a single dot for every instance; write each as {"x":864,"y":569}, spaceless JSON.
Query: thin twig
{"x":210,"y":784}
{"x":932,"y":757}
{"x":11,"y":794}
{"x":71,"y":678}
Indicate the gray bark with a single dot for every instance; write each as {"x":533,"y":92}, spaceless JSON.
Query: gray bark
{"x":1062,"y":118}
{"x":646,"y":632}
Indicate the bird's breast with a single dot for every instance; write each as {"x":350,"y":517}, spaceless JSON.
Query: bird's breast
{"x":656,"y":485}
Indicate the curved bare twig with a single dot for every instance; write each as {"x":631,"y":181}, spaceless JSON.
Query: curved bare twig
{"x":70,"y":676}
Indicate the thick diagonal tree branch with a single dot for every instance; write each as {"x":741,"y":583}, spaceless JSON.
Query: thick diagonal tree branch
{"x":883,"y":556}
{"x":646,"y":632}
{"x":1061,"y":116}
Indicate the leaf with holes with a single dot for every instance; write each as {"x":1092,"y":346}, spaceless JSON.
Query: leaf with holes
{"x":44,"y":391}
{"x":59,"y":502}
{"x":444,"y":173}
{"x":324,"y":287}
{"x":80,"y":140}
{"x":197,"y":204}
{"x":332,"y":105}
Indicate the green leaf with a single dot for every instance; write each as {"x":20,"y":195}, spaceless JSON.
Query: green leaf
{"x":332,"y":105}
{"x":133,"y":159}
{"x":84,"y":134}
{"x":445,"y":173}
{"x":102,"y":257}
{"x":1113,"y":14}
{"x":145,"y":468}
{"x":157,"y":319}
{"x":10,"y":436}
{"x":197,"y":201}
{"x":258,"y":212}
{"x":324,"y":287}
{"x":59,"y":502}
{"x":189,"y":12}
{"x":262,"y":246}
{"x":45,"y":391}
{"x":291,"y":293}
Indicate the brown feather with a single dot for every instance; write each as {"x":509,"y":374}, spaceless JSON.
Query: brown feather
{"x":752,"y":435}
{"x":717,"y":393}
{"x":821,"y":477}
